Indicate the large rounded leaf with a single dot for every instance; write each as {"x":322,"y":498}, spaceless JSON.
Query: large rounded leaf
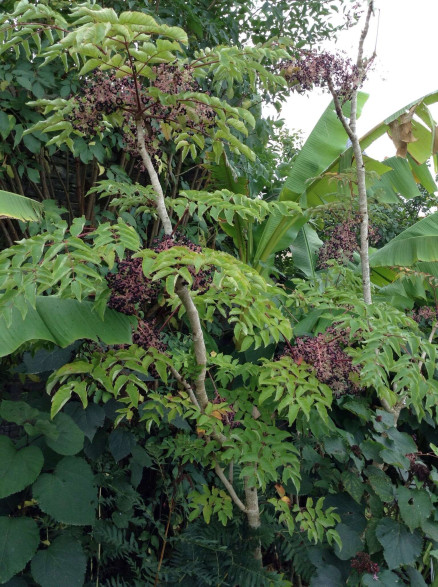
{"x":69,"y":495}
{"x":70,"y":439}
{"x":19,"y":538}
{"x":18,"y":468}
{"x":63,"y":563}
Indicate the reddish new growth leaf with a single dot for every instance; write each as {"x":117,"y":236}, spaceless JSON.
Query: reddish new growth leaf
{"x":325,"y":354}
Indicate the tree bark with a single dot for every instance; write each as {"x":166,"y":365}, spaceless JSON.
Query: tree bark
{"x":351,"y":130}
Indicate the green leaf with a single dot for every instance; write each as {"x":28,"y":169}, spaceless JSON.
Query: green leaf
{"x":304,"y":250}
{"x":326,"y":142}
{"x":386,"y":579}
{"x":63,"y":563}
{"x":415,"y":506}
{"x":381,"y":483}
{"x":70,"y":439}
{"x":68,"y":495}
{"x":415,"y":578}
{"x":351,"y":542}
{"x":19,"y":207}
{"x":19,"y":538}
{"x":430,"y":529}
{"x":120,"y":443}
{"x":353,"y":484}
{"x":400,"y":547}
{"x":32,"y":143}
{"x":62,"y":321}
{"x":17,"y":412}
{"x":18,"y":468}
{"x":88,"y":420}
{"x":417,"y":243}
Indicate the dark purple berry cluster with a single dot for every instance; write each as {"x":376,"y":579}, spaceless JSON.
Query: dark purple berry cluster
{"x":362,"y":563}
{"x":425,"y":313}
{"x":103,"y":94}
{"x":418,"y":469}
{"x":228,"y":416}
{"x":343,"y":242}
{"x":147,"y":336}
{"x":321,"y":69}
{"x":129,"y":287}
{"x":326,"y":355}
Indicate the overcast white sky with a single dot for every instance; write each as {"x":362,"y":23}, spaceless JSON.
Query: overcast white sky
{"x":404,"y":70}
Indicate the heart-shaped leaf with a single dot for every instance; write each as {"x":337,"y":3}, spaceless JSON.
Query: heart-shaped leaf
{"x":68,"y":495}
{"x":63,"y":563}
{"x":18,"y":468}
{"x":19,"y":538}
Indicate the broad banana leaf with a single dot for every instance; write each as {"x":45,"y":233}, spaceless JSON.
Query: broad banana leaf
{"x":19,"y":207}
{"x":420,"y":283}
{"x":325,"y":152}
{"x":63,"y":321}
{"x":304,"y":251}
{"x":223,"y":176}
{"x":417,"y":243}
{"x":326,"y":142}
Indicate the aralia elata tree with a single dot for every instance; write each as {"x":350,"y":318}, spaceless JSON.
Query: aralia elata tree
{"x":343,"y":79}
{"x":137,"y":77}
{"x":203,"y":371}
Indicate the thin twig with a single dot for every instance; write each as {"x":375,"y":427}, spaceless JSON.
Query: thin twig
{"x":186,"y":386}
{"x":220,"y":473}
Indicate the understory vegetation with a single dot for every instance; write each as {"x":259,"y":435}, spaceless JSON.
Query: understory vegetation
{"x":218,"y":341}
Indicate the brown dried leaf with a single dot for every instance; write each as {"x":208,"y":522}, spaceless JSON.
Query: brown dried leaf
{"x":435,"y":141}
{"x":401,"y":132}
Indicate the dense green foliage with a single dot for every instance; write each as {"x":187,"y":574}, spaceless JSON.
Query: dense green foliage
{"x":188,"y":395}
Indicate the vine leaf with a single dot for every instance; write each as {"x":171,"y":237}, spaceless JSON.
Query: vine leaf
{"x":353,"y":484}
{"x":63,"y":563}
{"x":68,"y":495}
{"x":351,"y":542}
{"x":70,"y":439}
{"x":415,"y":506}
{"x":400,"y":547}
{"x":18,"y":468}
{"x":19,"y":538}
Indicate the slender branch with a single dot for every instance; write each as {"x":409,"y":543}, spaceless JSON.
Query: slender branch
{"x":430,"y":339}
{"x":220,"y":473}
{"x":186,"y":386}
{"x":198,"y":341}
{"x":160,"y":204}
{"x":351,"y":130}
{"x":363,"y":35}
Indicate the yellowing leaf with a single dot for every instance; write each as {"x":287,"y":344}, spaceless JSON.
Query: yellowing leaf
{"x":401,"y":132}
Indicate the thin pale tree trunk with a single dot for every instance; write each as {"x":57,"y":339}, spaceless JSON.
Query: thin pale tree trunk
{"x":351,"y":130}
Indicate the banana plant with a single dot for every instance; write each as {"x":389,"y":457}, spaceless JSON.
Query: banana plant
{"x":406,"y":268}
{"x":19,"y":207}
{"x":324,"y":157}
